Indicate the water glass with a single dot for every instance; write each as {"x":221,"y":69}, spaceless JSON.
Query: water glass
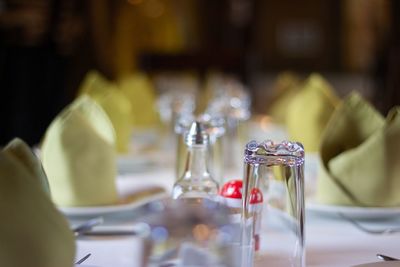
{"x":233,"y":102}
{"x":281,"y":167}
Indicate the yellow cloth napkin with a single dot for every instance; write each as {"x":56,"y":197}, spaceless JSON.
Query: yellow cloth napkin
{"x":115,"y":103}
{"x":140,"y":91}
{"x":309,"y":112}
{"x":94,"y":82}
{"x":360,"y":155}
{"x":78,"y":156}
{"x":32,"y":231}
{"x":285,"y":88}
{"x":23,"y":153}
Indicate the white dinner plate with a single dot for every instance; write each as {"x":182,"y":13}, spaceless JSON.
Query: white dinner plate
{"x":135,"y":164}
{"x":107,"y":209}
{"x":380,"y":264}
{"x":353,"y":212}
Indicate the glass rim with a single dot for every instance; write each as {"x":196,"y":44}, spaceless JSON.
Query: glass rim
{"x":270,"y":153}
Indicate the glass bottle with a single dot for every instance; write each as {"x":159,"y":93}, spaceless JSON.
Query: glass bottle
{"x":196,"y":181}
{"x":214,"y":125}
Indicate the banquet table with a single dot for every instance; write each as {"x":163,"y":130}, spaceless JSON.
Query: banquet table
{"x":330,"y":240}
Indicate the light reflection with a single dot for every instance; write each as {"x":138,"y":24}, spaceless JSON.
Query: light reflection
{"x":265,"y":122}
{"x":201,"y":232}
{"x":159,"y":234}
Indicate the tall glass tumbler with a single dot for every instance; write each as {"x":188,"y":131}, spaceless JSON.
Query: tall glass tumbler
{"x":233,"y":101}
{"x":281,"y":167}
{"x":171,"y":105}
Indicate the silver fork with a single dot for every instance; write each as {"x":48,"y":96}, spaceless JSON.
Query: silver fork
{"x":87,"y":225}
{"x":386,"y":258}
{"x":385,"y":231}
{"x":83,"y":259}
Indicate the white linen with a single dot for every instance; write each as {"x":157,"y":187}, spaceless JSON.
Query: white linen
{"x":330,"y":241}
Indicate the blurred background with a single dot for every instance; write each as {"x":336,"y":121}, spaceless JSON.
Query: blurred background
{"x":48,"y":46}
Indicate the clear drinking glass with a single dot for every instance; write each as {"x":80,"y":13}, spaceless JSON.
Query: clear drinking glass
{"x":232,"y":100}
{"x":281,"y":167}
{"x":172,"y":104}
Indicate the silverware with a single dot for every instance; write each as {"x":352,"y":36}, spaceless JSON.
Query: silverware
{"x":389,"y":230}
{"x":83,"y":259}
{"x":87,"y":225}
{"x":386,"y":258}
{"x":110,"y":233}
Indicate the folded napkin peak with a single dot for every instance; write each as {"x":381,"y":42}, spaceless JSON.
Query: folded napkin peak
{"x":360,"y":155}
{"x":90,"y":114}
{"x":284,"y":90}
{"x":78,"y":156}
{"x":393,"y":115}
{"x":392,"y":144}
{"x":318,"y":83}
{"x":31,"y":224}
{"x":356,"y":116}
{"x":140,"y":91}
{"x":22,"y":152}
{"x":286,"y":80}
{"x":310,"y":110}
{"x":119,"y":109}
{"x":93,"y":82}
{"x":115,"y":103}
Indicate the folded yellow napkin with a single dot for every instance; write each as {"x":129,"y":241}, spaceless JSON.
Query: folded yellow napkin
{"x":309,"y":112}
{"x":140,"y":91}
{"x":360,"y":154}
{"x":94,"y":82}
{"x":78,"y":155}
{"x":24,"y":154}
{"x":115,"y":103}
{"x":32,"y":231}
{"x":285,"y":88}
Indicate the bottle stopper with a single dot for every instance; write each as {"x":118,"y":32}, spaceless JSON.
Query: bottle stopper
{"x":196,"y":136}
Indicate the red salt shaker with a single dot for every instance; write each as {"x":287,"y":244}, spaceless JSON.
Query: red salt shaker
{"x":231,"y":195}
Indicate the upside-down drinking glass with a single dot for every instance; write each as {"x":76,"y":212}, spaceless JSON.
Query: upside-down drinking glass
{"x":281,"y":167}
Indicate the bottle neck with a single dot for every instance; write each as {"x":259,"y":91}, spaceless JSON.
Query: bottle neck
{"x":196,"y":163}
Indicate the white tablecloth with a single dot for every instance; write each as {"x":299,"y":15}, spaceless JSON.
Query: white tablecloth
{"x":330,"y":241}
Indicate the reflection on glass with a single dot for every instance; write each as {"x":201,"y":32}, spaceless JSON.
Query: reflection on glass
{"x":189,"y":232}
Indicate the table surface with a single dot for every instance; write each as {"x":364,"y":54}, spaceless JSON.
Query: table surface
{"x":330,"y":240}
